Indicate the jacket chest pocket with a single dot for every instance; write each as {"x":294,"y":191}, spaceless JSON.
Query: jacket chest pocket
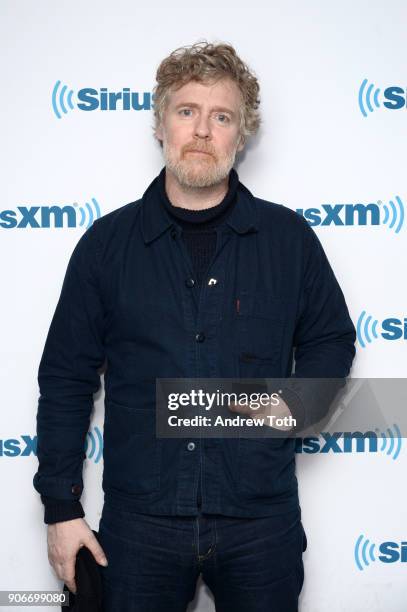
{"x":259,"y":336}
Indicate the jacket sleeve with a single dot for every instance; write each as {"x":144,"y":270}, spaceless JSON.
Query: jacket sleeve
{"x":68,"y":377}
{"x":324,"y":339}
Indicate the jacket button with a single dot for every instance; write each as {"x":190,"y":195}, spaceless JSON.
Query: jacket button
{"x":190,"y":282}
{"x":200,"y":337}
{"x":191,"y":446}
{"x":76,"y":489}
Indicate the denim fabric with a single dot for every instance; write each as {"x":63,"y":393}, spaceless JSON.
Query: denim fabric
{"x":128,"y":304}
{"x":249,"y":565}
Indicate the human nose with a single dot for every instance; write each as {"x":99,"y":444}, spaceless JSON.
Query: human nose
{"x":202,"y":126}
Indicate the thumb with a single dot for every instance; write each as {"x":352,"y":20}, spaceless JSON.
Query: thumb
{"x":97,"y":551}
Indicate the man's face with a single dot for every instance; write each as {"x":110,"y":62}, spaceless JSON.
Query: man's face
{"x":200,"y":132}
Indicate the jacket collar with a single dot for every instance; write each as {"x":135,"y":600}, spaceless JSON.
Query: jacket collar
{"x":155,"y":218}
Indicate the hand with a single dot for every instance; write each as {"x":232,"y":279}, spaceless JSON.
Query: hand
{"x":279,"y":410}
{"x":64,"y":541}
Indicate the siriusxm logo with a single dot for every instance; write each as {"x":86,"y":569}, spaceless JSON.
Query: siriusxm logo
{"x":388,"y":442}
{"x":89,"y":99}
{"x":391,"y":552}
{"x":51,"y":216}
{"x":370,"y":98}
{"x":375,"y":213}
{"x":392,"y":328}
{"x":12,"y":447}
{"x":94,"y":444}
{"x":27,"y":445}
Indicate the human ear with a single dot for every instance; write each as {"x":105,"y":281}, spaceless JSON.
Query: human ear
{"x":242,"y":143}
{"x":159,"y":132}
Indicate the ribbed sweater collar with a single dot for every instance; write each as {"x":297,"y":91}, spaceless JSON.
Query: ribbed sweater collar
{"x":207,"y":218}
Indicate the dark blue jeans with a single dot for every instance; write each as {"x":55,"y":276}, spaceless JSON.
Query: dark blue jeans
{"x":250,"y":565}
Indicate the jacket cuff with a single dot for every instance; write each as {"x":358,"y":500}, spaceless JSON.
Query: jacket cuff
{"x":57,"y":511}
{"x":58,"y":488}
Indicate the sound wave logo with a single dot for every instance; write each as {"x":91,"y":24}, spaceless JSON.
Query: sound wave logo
{"x":366,"y":329}
{"x":391,"y":440}
{"x":393,"y":215}
{"x":55,"y":216}
{"x":392,"y":328}
{"x":390,"y":214}
{"x":343,"y":442}
{"x":95,"y":441}
{"x":387,"y":552}
{"x":364,"y":553}
{"x":367,"y":94}
{"x":91,"y":99}
{"x":393,"y":97}
{"x":88,"y":213}
{"x":61,"y":99}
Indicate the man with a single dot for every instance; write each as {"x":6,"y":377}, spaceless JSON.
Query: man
{"x":198,"y":278}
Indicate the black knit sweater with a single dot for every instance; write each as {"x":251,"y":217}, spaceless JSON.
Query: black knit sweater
{"x":198,"y":226}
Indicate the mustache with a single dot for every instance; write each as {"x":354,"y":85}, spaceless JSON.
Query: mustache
{"x":199,"y":149}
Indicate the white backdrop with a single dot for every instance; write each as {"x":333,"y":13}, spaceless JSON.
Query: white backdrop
{"x":320,"y":144}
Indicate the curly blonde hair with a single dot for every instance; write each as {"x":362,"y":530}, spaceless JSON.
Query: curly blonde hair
{"x":206,"y":62}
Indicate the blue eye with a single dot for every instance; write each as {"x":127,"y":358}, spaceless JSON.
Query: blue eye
{"x":226,"y":118}
{"x":183,"y":110}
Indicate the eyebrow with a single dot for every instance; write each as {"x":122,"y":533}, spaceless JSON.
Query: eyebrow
{"x":214,"y":108}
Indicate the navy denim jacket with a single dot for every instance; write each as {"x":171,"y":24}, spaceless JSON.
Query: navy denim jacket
{"x":127,"y":302}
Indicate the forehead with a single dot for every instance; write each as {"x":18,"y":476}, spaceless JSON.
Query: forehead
{"x":223,"y":92}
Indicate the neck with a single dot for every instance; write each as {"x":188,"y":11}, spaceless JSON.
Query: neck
{"x":195,"y":198}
